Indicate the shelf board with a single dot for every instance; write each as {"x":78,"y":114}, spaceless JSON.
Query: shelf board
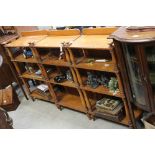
{"x":92,"y":42}
{"x":20,"y":58}
{"x":50,"y":61}
{"x":65,"y":83}
{"x":72,"y":102}
{"x":125,"y":120}
{"x":32,"y":76}
{"x":102,"y":90}
{"x":99,"y":66}
{"x":24,"y":41}
{"x":37,"y":95}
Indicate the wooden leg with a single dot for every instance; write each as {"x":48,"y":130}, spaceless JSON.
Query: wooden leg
{"x":59,"y":107}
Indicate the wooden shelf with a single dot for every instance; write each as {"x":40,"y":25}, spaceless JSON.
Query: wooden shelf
{"x":20,"y":58}
{"x":72,"y":102}
{"x":92,"y":42}
{"x":99,"y":66}
{"x":125,"y":120}
{"x":50,"y":61}
{"x":32,"y":76}
{"x":37,"y":95}
{"x":102,"y":90}
{"x":24,"y":41}
{"x":65,"y":83}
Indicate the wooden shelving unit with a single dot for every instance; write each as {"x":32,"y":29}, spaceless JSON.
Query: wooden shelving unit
{"x":93,"y":44}
{"x":78,"y":50}
{"x":45,"y":46}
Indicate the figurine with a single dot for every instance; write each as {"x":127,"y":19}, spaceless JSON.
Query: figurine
{"x":104,"y":81}
{"x":113,"y":84}
{"x":69,"y":75}
{"x":60,"y":78}
{"x":61,"y":55}
{"x":27,"y":53}
{"x":92,"y":80}
{"x":38,"y":72}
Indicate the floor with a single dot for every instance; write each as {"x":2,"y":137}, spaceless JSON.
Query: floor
{"x":45,"y":115}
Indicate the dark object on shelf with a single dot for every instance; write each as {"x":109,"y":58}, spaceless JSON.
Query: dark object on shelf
{"x":60,"y":78}
{"x":149,"y":121}
{"x":8,"y":99}
{"x":27,"y":53}
{"x":1,"y":33}
{"x":92,"y":80}
{"x":58,"y":88}
{"x":69,"y":75}
{"x":104,"y":81}
{"x":5,"y":121}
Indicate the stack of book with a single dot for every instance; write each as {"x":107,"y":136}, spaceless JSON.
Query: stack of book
{"x":110,"y":107}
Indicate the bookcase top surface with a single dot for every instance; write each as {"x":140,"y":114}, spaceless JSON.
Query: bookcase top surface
{"x":25,"y":40}
{"x":55,"y":41}
{"x":92,"y":42}
{"x":134,"y":34}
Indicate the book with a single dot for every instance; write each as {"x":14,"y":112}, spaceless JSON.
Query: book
{"x":42,"y":87}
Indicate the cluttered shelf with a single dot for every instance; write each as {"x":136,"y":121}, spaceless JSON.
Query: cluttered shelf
{"x":103,"y":90}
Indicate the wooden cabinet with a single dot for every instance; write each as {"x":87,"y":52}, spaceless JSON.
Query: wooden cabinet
{"x":135,"y":49}
{"x":64,"y":51}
